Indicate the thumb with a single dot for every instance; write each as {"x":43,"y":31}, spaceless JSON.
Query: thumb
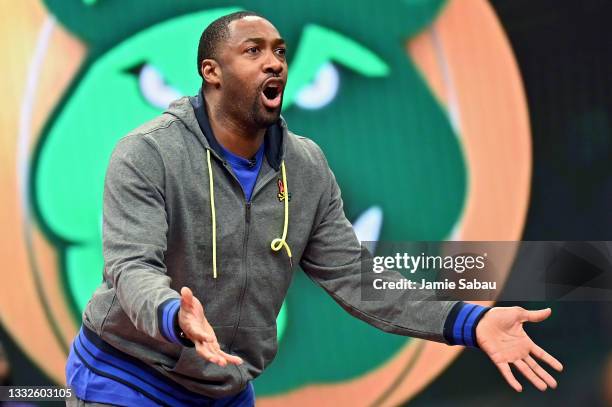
{"x":538,"y":315}
{"x":186,"y":297}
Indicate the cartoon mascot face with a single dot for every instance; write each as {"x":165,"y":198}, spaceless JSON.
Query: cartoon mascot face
{"x":352,"y":88}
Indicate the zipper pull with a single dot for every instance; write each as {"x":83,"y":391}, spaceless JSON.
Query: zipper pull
{"x":248,"y":212}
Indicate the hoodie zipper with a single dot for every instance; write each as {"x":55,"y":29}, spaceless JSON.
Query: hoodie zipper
{"x":245,"y":241}
{"x":247,"y":219}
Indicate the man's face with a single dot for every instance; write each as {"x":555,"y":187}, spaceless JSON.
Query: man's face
{"x":254,"y":71}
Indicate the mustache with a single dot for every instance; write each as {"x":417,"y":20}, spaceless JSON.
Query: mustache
{"x":272,"y":75}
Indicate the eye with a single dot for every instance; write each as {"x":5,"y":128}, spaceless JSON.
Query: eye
{"x":281,"y":51}
{"x":153,"y":86}
{"x":252,"y":50}
{"x":322,"y":90}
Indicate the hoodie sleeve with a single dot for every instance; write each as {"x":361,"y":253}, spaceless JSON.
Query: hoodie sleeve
{"x":334,"y":259}
{"x":134,"y":238}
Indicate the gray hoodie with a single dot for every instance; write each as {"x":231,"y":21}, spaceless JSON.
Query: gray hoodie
{"x":158,"y":237}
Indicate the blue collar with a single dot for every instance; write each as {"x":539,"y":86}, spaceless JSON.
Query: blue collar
{"x":273,"y":138}
{"x":237,"y":161}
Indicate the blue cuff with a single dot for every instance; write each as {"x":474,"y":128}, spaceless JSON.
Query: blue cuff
{"x":460,"y":325}
{"x":166,"y":314}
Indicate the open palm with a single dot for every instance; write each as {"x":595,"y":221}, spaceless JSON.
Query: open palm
{"x":195,"y":326}
{"x":501,"y":336}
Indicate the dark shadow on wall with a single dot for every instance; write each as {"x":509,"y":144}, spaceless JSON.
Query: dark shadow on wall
{"x":564,"y":52}
{"x":22,"y":371}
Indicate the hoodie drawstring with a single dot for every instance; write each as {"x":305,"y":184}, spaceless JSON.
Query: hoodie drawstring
{"x":213,"y":215}
{"x":276,"y":244}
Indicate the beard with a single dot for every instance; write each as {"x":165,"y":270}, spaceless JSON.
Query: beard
{"x":261,"y":116}
{"x":244,"y":104}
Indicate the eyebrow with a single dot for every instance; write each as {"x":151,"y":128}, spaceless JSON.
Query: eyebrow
{"x":260,"y":40}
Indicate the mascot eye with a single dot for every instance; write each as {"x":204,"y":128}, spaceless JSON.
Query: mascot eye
{"x":153,"y":87}
{"x":314,"y":79}
{"x":322,"y":90}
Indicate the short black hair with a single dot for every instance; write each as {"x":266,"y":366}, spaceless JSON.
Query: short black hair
{"x":215,"y":33}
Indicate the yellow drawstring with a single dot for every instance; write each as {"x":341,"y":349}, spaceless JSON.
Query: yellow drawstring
{"x":277,"y":243}
{"x":212,"y":214}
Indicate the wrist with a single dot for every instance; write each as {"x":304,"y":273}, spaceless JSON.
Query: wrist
{"x":181,"y":335}
{"x":168,"y":321}
{"x":462,"y":322}
{"x":481,"y":329}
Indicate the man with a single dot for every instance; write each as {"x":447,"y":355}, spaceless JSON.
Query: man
{"x":207,"y":209}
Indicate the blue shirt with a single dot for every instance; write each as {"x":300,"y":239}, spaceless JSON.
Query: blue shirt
{"x":245,"y":170}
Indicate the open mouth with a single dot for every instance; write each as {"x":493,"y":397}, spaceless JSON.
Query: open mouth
{"x":271,"y":94}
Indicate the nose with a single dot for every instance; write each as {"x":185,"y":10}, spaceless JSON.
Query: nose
{"x":273,"y":64}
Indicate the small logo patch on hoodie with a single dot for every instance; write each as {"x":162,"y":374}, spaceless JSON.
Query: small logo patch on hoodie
{"x":281,"y":191}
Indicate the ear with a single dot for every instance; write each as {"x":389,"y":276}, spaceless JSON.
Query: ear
{"x":211,"y":72}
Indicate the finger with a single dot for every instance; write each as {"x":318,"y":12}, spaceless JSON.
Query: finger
{"x":538,"y":315}
{"x":214,"y":347}
{"x":530,"y":375}
{"x":546,"y":357}
{"x":221,"y":361}
{"x":206,"y":353}
{"x":186,"y":297}
{"x":541,"y":372}
{"x":504,"y":368}
{"x":215,"y":356}
{"x":234,"y":360}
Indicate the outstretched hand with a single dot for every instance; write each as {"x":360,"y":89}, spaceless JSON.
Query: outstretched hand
{"x":501,"y":336}
{"x":194,"y":324}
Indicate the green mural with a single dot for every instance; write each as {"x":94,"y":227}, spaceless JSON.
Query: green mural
{"x":352,"y":89}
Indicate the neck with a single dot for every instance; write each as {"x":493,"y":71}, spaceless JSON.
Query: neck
{"x":234,"y":136}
